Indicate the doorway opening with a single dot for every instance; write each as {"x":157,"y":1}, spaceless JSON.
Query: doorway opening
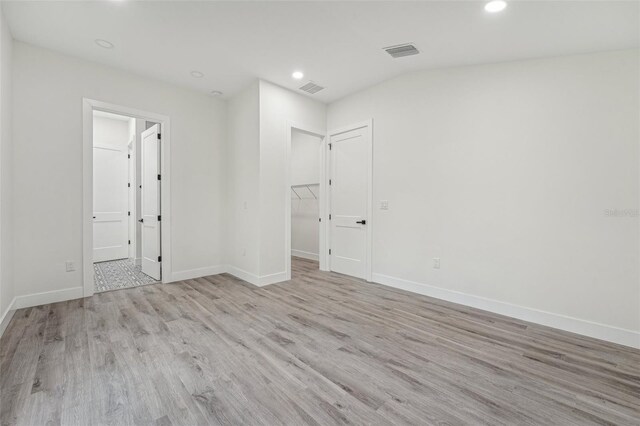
{"x":126,"y":196}
{"x":119,"y":233}
{"x":306,"y":189}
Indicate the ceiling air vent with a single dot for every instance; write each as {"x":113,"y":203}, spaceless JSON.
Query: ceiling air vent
{"x":311,"y":87}
{"x":402,"y":50}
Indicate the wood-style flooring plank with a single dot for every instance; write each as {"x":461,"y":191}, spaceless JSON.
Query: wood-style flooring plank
{"x":321,"y":349}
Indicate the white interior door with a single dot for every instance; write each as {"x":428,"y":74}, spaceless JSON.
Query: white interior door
{"x":350,"y":156}
{"x":150,"y":214}
{"x":110,"y":200}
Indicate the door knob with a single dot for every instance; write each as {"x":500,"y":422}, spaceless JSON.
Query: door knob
{"x":362,"y":222}
{"x":141,"y":220}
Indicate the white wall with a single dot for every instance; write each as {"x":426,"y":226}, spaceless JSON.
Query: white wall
{"x":243,"y":218}
{"x":279,"y":106}
{"x":7,"y":292}
{"x":505,"y":171}
{"x":305,"y":209}
{"x":48,"y":91}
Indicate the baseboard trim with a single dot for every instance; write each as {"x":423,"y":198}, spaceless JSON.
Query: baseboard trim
{"x":197,"y":273}
{"x":258,"y":281}
{"x":575,"y":325}
{"x":305,"y":254}
{"x":273,"y":278}
{"x":46,"y":297}
{"x":243,"y":275}
{"x":7,"y":315}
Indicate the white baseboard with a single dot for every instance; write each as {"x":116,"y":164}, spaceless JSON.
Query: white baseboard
{"x":243,"y":275}
{"x":273,"y":278}
{"x":46,"y":297}
{"x":198,"y":273}
{"x":254,"y":279}
{"x":575,"y":325}
{"x":305,"y":254}
{"x":7,"y":315}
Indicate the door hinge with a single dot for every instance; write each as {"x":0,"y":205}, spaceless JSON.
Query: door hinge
{"x":159,"y":177}
{"x":159,"y":218}
{"x":159,"y":136}
{"x":329,"y":182}
{"x":319,"y":219}
{"x":159,"y":258}
{"x":129,"y":156}
{"x":329,"y":216}
{"x":128,"y":213}
{"x":329,"y":251}
{"x":330,"y":147}
{"x":129,"y":242}
{"x":129,"y":185}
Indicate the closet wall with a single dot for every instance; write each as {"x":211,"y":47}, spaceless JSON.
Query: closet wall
{"x":305,"y":179}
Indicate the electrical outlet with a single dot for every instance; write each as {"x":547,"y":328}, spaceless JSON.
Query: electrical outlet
{"x":384,"y":205}
{"x":436,"y":263}
{"x":70,"y":266}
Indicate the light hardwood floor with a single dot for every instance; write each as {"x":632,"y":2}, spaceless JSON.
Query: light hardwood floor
{"x":321,"y":349}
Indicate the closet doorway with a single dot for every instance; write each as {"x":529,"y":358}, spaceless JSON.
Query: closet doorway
{"x":306,"y":194}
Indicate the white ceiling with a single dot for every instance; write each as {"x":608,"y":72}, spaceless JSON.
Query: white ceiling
{"x":337,"y":44}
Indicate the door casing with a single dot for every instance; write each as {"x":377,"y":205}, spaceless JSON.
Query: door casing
{"x":88,"y":106}
{"x":368,"y":124}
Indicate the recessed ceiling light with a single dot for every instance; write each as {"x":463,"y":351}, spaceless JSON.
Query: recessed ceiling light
{"x":104,"y":43}
{"x":298,"y":75}
{"x":196,"y":74}
{"x":495,"y":6}
{"x":216,"y":93}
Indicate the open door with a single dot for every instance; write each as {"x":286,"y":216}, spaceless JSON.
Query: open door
{"x":151,"y":255}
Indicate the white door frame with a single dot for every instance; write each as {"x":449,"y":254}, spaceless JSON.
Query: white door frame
{"x":88,"y":106}
{"x":323,"y":215}
{"x":369,"y":228}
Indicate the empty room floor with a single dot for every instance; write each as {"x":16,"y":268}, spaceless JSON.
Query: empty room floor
{"x":320,"y":349}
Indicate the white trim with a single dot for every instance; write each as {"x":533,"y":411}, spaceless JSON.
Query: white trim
{"x":198,"y":273}
{"x":369,"y":256}
{"x":7,"y":316}
{"x":47,"y":297}
{"x":321,"y":202}
{"x":305,"y":254}
{"x":258,"y":281}
{"x":243,"y":275}
{"x":272,"y":279}
{"x":575,"y":325}
{"x":88,"y":105}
